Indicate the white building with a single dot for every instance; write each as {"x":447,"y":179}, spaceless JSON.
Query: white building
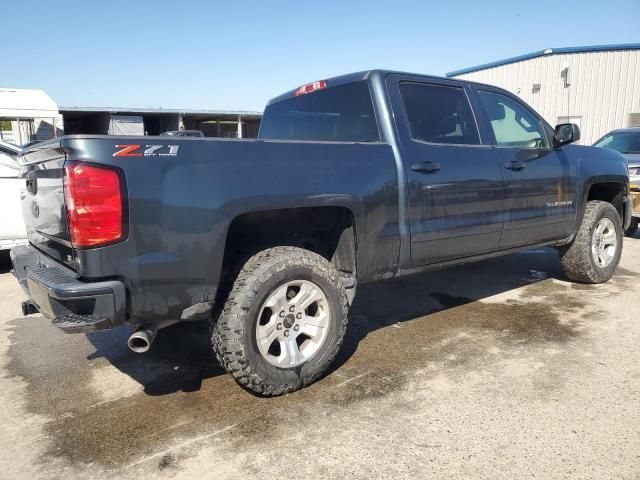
{"x":596,"y":87}
{"x":27,"y":115}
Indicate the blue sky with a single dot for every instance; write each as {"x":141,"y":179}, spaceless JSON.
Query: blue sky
{"x":237,"y":55}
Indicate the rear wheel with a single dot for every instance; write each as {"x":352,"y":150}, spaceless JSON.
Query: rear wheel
{"x":595,"y":252}
{"x":283,"y":322}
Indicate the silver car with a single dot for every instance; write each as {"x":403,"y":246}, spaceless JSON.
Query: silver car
{"x":627,"y":142}
{"x":12,"y":229}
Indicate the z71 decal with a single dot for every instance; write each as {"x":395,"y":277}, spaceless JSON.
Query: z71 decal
{"x":149,"y":151}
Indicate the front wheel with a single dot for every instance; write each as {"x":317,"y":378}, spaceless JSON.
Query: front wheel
{"x":283,"y":322}
{"x":595,"y":252}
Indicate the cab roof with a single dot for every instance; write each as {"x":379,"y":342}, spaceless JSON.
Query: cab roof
{"x":356,"y":77}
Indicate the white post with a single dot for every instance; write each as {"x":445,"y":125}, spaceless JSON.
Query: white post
{"x":239,"y":126}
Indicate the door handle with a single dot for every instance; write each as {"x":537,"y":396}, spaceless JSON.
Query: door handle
{"x":515,"y":165}
{"x":425,"y":167}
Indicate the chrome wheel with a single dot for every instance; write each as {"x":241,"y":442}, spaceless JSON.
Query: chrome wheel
{"x":604,"y":242}
{"x":293,"y":323}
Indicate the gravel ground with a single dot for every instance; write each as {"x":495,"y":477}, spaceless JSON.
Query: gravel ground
{"x":499,"y":369}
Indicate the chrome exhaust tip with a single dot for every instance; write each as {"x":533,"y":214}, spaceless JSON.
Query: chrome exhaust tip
{"x":140,"y":341}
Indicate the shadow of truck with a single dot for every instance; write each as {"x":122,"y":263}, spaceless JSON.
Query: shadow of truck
{"x":181,"y":356}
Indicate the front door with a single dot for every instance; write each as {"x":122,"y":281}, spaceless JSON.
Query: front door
{"x":454,"y":205}
{"x":539,"y":181}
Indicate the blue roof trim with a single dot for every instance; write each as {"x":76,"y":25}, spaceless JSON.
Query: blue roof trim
{"x":548,"y":51}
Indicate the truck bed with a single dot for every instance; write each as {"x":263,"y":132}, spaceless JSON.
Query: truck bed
{"x":183,"y":195}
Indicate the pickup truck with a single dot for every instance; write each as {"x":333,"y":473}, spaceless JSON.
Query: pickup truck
{"x":353,"y":179}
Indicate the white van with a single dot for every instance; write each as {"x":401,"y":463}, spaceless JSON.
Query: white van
{"x":12,"y":229}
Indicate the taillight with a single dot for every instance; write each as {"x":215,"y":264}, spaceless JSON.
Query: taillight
{"x":311,"y":87}
{"x":94,"y":203}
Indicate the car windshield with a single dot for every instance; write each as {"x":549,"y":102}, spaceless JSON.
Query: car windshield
{"x":623,"y":142}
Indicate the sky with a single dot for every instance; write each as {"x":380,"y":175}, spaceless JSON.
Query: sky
{"x":236,"y":55}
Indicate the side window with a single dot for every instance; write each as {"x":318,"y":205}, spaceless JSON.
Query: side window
{"x":439,"y":114}
{"x":513,"y":125}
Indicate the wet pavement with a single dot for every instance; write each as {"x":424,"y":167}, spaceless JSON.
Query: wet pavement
{"x":495,"y":369}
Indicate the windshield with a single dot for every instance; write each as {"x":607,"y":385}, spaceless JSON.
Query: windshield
{"x":623,"y":142}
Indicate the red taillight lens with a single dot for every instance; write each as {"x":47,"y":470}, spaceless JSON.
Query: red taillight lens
{"x":94,"y":205}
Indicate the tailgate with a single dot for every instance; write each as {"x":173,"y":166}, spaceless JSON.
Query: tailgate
{"x":42,"y":199}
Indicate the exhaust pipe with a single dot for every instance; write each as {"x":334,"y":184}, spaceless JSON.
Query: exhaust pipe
{"x":140,"y":341}
{"x":28,"y":308}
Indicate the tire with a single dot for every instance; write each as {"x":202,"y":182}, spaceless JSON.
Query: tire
{"x":632,"y":228}
{"x":581,"y":262}
{"x":256,"y":301}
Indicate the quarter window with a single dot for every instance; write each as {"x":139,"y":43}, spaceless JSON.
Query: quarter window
{"x":439,"y":114}
{"x":513,"y":125}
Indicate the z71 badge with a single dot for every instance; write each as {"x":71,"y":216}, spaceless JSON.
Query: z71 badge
{"x":149,"y":151}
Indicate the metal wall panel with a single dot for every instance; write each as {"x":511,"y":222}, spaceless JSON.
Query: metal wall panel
{"x":604,"y":87}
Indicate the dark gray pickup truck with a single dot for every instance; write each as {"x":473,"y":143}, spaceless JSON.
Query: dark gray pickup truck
{"x":353,"y":179}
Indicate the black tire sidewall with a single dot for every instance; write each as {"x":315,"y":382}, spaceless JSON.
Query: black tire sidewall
{"x":273,"y":278}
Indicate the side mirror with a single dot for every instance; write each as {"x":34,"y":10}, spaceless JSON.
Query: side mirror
{"x":566,"y":133}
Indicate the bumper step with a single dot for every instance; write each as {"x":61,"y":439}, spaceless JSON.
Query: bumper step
{"x":72,"y":304}
{"x":74,"y":323}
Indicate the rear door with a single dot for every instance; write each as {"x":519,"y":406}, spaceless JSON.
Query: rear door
{"x":454,"y":182}
{"x":539,"y":181}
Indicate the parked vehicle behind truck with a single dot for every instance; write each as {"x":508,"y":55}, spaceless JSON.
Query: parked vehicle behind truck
{"x":353,"y":179}
{"x":627,"y":142}
{"x":12,"y":230}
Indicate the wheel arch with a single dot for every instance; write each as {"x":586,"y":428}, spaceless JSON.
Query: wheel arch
{"x":607,"y":188}
{"x":329,"y":231}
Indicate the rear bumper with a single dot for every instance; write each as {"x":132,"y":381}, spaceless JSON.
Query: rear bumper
{"x":71,"y":304}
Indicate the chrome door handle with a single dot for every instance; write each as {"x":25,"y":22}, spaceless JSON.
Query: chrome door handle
{"x":425,"y":167}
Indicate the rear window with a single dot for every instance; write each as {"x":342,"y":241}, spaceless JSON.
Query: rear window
{"x":339,"y":114}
